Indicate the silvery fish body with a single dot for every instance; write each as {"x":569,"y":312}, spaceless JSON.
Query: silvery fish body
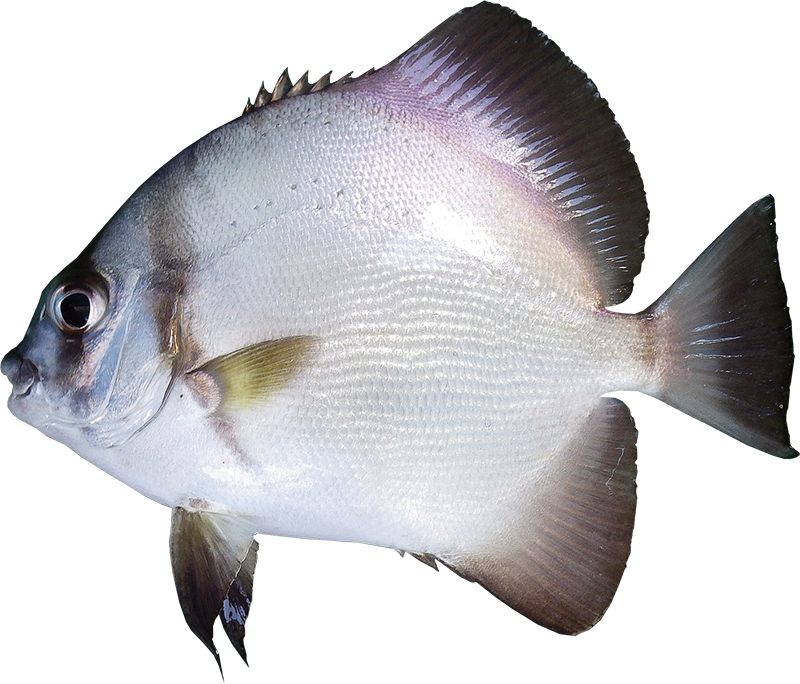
{"x":377,"y":311}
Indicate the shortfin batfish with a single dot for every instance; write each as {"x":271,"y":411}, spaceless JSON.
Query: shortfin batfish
{"x":376,"y":310}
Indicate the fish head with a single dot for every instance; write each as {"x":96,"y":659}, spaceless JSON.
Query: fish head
{"x":94,"y":367}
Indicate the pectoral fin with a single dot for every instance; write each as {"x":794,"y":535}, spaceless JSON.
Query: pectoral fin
{"x":213,"y":561}
{"x":562,"y":561}
{"x":252,"y":374}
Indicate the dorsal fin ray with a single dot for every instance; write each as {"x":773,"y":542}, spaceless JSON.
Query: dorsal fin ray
{"x":510,"y":83}
{"x":487,"y":74}
{"x":285,"y":88}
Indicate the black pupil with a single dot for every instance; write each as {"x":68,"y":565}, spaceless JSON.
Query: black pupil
{"x":75,"y":309}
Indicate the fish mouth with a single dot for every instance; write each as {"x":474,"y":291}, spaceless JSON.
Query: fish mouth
{"x":21,"y":372}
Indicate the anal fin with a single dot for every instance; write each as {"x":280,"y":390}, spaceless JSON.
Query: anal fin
{"x":213,"y":561}
{"x":560,"y":564}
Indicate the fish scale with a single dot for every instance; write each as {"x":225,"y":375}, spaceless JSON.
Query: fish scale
{"x":373,"y":311}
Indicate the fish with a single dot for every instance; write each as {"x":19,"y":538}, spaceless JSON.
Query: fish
{"x":415,"y":343}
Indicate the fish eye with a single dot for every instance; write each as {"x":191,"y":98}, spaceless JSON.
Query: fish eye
{"x":76,"y":307}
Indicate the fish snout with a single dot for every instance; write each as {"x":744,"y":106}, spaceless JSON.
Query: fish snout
{"x":20,"y":371}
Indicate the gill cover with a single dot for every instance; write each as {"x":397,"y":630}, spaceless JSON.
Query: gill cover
{"x":90,"y":367}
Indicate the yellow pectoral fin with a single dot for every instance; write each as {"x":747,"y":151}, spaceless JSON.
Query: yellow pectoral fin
{"x":251,"y":375}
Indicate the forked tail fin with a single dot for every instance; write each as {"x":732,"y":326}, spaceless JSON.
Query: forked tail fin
{"x":726,"y":331}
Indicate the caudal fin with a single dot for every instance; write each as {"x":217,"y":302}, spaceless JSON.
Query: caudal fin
{"x":728,"y":336}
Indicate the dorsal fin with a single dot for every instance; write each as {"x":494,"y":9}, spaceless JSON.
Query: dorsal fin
{"x":283,"y":89}
{"x":501,"y":85}
{"x":489,"y":68}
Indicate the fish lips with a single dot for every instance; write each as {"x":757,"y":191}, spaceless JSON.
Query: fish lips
{"x":22,"y":373}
